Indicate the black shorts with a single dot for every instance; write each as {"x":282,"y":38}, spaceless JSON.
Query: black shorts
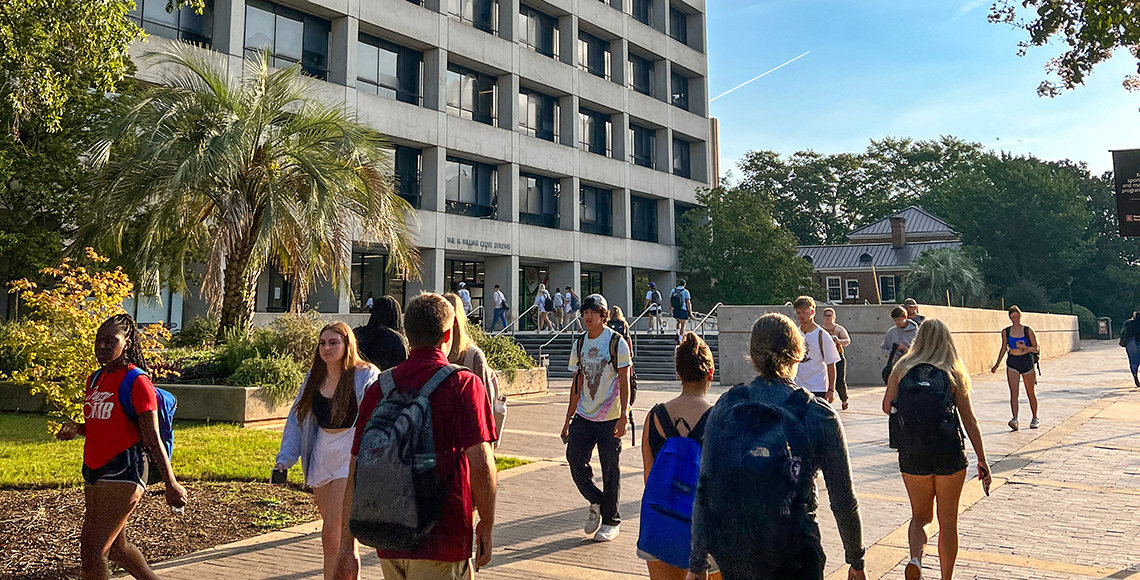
{"x":130,"y":466}
{"x":1022,"y":363}
{"x":932,"y":464}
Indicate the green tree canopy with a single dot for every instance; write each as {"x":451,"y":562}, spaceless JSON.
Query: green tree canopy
{"x":736,"y":253}
{"x":1093,"y":31}
{"x":250,"y":171}
{"x":938,"y":272}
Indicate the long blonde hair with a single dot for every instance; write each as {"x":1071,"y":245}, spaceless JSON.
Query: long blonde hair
{"x":934,"y":345}
{"x":345,"y":388}
{"x":460,"y":337}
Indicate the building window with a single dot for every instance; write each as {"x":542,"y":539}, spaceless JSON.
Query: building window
{"x":470,"y":94}
{"x":538,"y":115}
{"x":182,"y":24}
{"x":408,"y":171}
{"x":679,"y":94}
{"x":596,"y":130}
{"x":679,"y":221}
{"x":538,"y":31}
{"x":473,"y":274}
{"x":389,"y":70}
{"x":289,"y":36}
{"x":370,"y":279}
{"x":681,"y":159}
{"x":852,"y":289}
{"x":594,"y":55}
{"x":538,"y":200}
{"x":478,"y":13}
{"x":280,"y":297}
{"x":596,"y":213}
{"x":888,"y":287}
{"x":641,"y":74}
{"x":591,"y":282}
{"x":642,"y":10}
{"x":679,"y":25}
{"x":644,"y":218}
{"x":834,"y":289}
{"x":472,"y":188}
{"x":644,"y":150}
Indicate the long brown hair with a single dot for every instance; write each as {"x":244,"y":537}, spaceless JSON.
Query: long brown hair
{"x":345,"y":388}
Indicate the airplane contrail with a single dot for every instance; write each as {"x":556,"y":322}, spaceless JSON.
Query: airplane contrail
{"x":758,"y":77}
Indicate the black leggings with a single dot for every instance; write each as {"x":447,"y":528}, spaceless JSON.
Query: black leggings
{"x":841,"y":378}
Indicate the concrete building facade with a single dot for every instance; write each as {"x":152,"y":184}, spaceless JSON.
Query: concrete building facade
{"x":541,"y":141}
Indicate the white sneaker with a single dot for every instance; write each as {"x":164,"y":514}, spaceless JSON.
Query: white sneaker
{"x":1035,"y":423}
{"x":593,"y":520}
{"x":606,"y":534}
{"x":1013,"y":424}
{"x":913,"y":569}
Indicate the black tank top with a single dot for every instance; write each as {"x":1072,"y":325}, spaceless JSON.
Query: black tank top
{"x":322,"y":411}
{"x":657,"y":440}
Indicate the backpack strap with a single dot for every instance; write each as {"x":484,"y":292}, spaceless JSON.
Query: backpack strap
{"x":126,"y":388}
{"x":661,"y":415}
{"x":819,"y":335}
{"x":614,"y":338}
{"x":437,"y":379}
{"x":387,"y":384}
{"x":798,"y":401}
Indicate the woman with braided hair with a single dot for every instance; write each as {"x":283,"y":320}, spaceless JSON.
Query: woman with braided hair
{"x":118,"y":452}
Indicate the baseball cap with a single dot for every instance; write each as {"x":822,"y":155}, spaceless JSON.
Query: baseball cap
{"x":652,"y":285}
{"x":595,"y":302}
{"x":463,"y":284}
{"x":910,"y":302}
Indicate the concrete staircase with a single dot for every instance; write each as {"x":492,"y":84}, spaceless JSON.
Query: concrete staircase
{"x":653,"y":354}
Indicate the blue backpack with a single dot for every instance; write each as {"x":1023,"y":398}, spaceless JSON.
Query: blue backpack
{"x":167,"y":405}
{"x":756,"y":483}
{"x":667,"y":504}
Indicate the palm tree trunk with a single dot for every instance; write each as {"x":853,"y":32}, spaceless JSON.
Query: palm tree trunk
{"x":237,"y":289}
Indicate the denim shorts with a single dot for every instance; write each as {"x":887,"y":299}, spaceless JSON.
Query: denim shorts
{"x":130,"y":466}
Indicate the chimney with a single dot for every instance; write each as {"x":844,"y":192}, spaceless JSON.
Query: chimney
{"x":898,"y":232}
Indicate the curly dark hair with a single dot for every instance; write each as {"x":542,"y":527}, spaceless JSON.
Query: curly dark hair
{"x":132,"y":352}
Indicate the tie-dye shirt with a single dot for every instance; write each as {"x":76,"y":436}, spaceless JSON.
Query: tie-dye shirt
{"x":601,"y":395}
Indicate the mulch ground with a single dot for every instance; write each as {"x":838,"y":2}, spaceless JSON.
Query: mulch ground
{"x":39,"y":529}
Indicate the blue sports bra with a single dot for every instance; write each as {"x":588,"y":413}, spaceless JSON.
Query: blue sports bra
{"x":1013,"y":340}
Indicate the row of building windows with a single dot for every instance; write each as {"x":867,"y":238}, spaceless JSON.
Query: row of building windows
{"x":472,"y":190}
{"x":840,"y":289}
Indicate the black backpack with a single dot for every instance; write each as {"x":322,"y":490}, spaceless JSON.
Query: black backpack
{"x":758,"y":505}
{"x":548,"y":303}
{"x":397,"y":495}
{"x":924,"y":417}
{"x":676,"y":300}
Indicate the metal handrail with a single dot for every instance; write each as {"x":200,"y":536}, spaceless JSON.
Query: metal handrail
{"x":633,"y":326}
{"x":515,"y":321}
{"x":556,"y":335}
{"x":474,"y":310}
{"x":701,"y":325}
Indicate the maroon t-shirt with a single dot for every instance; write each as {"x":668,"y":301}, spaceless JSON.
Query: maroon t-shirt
{"x":461,"y":417}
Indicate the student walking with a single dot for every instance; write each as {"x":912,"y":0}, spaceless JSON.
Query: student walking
{"x":620,"y":325}
{"x":927,"y":396}
{"x":842,"y":341}
{"x":120,"y":448}
{"x":543,"y":304}
{"x":1021,"y":344}
{"x":463,"y":479}
{"x":380,"y":341}
{"x":597,"y":416}
{"x":681,"y":304}
{"x":911,"y":306}
{"x":897,"y":339}
{"x":764,"y":442}
{"x":464,"y":297}
{"x":319,"y":428}
{"x":557,"y":314}
{"x":501,"y":307}
{"x":465,"y":352}
{"x":572,"y":306}
{"x":653,"y":303}
{"x":816,"y":372}
{"x":683,"y":417}
{"x":1129,"y":332}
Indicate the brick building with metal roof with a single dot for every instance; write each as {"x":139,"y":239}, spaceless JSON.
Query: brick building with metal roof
{"x":872,"y":265}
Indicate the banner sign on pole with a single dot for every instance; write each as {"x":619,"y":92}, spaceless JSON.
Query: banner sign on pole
{"x":1126,"y":167}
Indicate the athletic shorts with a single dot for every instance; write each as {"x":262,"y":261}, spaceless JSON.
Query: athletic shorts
{"x":1022,"y":363}
{"x":932,"y":464}
{"x":681,"y":314}
{"x":130,"y":466}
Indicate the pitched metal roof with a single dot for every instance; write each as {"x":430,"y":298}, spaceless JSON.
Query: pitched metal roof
{"x":919,"y":222}
{"x":883,"y":256}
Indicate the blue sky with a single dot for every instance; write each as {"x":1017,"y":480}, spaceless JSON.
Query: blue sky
{"x":902,"y":68}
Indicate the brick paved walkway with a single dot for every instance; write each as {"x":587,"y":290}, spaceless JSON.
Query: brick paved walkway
{"x":1065,"y":505}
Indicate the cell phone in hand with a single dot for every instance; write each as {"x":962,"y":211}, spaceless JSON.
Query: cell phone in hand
{"x":278,"y":477}
{"x":566,"y":439}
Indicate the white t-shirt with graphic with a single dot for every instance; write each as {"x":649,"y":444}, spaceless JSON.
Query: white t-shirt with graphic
{"x":601,"y":393}
{"x":812,"y":373}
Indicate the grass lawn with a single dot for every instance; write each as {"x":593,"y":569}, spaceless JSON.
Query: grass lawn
{"x":32,"y":458}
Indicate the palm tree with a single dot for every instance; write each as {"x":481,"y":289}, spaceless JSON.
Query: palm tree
{"x":242,"y":173}
{"x":937,"y":272}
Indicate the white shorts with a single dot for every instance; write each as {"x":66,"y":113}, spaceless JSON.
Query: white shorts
{"x":331,"y":455}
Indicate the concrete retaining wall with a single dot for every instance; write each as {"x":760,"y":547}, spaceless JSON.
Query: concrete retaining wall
{"x":977,"y":334}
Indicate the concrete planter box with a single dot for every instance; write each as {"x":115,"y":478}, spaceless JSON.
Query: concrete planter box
{"x":527,"y":382}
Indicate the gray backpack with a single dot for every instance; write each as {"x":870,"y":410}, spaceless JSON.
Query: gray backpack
{"x":397,"y":494}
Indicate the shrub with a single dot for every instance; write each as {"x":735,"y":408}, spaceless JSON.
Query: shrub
{"x":278,"y":376}
{"x":503,"y":353}
{"x":12,"y":355}
{"x":197,"y":365}
{"x":1085,"y":317}
{"x":296,"y":336}
{"x":199,"y":333}
{"x":58,"y":335}
{"x":241,"y":345}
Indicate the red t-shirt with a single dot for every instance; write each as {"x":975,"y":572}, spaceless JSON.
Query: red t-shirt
{"x":461,"y":417}
{"x":107,"y":430}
